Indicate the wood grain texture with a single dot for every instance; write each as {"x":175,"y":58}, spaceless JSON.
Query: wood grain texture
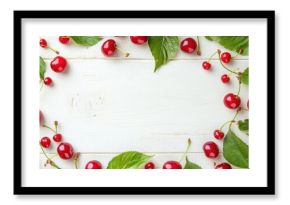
{"x":107,"y":106}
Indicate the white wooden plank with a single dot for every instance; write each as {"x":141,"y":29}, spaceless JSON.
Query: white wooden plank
{"x":136,"y":51}
{"x":114,"y":106}
{"x":158,"y":159}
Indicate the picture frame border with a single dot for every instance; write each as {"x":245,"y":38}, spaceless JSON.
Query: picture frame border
{"x":17,"y":94}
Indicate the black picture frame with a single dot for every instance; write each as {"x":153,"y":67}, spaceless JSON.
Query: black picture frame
{"x":268,"y":190}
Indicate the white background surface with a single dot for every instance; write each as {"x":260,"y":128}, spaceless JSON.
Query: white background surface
{"x":282,"y":107}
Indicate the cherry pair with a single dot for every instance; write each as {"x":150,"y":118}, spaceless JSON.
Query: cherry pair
{"x":58,"y":64}
{"x":167,"y":165}
{"x":45,"y":141}
{"x":225,"y":58}
{"x":64,"y":149}
{"x":177,"y":165}
{"x":109,"y":47}
{"x":211,"y":150}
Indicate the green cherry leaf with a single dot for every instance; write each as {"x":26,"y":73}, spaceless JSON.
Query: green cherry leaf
{"x":244,"y":126}
{"x":191,"y":165}
{"x":235,"y":150}
{"x":42,"y":66}
{"x":86,"y":40}
{"x":163,"y":48}
{"x":128,"y":160}
{"x":233,"y":43}
{"x":245,"y":77}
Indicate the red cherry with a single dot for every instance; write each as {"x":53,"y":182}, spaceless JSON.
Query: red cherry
{"x":139,"y":39}
{"x":65,"y":150}
{"x":57,"y":137}
{"x":58,"y":64}
{"x":211,"y":149}
{"x":64,"y":39}
{"x":225,"y":78}
{"x":109,"y":47}
{"x":47,"y":81}
{"x":206,"y":65}
{"x":149,"y":165}
{"x":43,"y":43}
{"x":40,"y":118}
{"x":188,"y":45}
{"x":172,"y":165}
{"x":94,"y":164}
{"x":232,"y":101}
{"x":218,"y":134}
{"x":226,"y":57}
{"x":223,"y":166}
{"x":45,"y":142}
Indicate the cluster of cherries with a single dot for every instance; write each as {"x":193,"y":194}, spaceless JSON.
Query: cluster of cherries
{"x":109,"y":48}
{"x":59,"y":63}
{"x":231,"y":100}
{"x":64,"y":149}
{"x":189,"y":45}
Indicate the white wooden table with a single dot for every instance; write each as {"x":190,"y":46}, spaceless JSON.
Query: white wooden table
{"x":108,"y":105}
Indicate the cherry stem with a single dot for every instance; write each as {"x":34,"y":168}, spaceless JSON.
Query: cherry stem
{"x":225,"y":66}
{"x":56,"y":126}
{"x":212,"y":55}
{"x":244,"y":109}
{"x":239,"y":90}
{"x":238,"y":110}
{"x":75,"y":159}
{"x":49,"y":128}
{"x":230,"y":121}
{"x":76,"y":163}
{"x":186,"y":151}
{"x":53,"y":156}
{"x":126,"y":54}
{"x":51,"y":162}
{"x":233,"y":120}
{"x":198,"y":46}
{"x":53,"y":50}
